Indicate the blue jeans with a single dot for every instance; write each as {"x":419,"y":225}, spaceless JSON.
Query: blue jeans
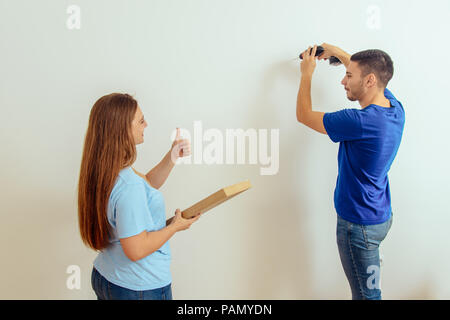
{"x":359,"y":252}
{"x":106,"y":290}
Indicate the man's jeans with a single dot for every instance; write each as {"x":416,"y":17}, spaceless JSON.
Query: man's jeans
{"x":358,"y":248}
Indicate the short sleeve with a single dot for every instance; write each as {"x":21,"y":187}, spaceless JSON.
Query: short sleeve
{"x":343,"y":125}
{"x":132,"y":212}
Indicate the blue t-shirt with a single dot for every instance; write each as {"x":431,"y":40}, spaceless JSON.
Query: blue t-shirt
{"x":134,"y":206}
{"x":369,"y":139}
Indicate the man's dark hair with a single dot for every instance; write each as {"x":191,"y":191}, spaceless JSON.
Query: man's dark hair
{"x":377,"y":62}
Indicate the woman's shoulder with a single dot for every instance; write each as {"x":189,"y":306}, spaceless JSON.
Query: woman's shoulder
{"x":130,"y":181}
{"x":127,"y":182}
{"x":128,"y":177}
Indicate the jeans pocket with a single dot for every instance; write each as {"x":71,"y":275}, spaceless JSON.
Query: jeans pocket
{"x":376,"y":233}
{"x":372,"y":242}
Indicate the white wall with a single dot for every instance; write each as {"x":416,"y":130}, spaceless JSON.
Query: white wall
{"x":229,"y":65}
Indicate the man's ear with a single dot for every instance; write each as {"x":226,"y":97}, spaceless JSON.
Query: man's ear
{"x":371,"y":80}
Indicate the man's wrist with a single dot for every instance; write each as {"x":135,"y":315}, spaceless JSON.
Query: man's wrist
{"x":307,"y":75}
{"x":343,"y":56}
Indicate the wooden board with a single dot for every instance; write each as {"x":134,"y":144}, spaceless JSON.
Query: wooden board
{"x":215,"y":199}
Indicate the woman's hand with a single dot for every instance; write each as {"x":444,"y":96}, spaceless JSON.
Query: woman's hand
{"x":180,"y":147}
{"x":180,"y":223}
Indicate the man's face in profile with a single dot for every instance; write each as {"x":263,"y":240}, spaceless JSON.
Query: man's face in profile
{"x":353,"y":82}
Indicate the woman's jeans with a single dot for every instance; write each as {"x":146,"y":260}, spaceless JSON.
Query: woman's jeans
{"x":358,"y":248}
{"x":106,"y":290}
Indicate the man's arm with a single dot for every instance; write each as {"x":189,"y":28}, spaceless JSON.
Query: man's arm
{"x":330,"y":50}
{"x":305,"y":115}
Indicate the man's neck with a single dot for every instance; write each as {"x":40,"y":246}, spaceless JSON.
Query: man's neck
{"x":377,"y":98}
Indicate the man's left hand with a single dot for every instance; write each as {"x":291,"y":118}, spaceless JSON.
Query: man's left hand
{"x":308,"y":63}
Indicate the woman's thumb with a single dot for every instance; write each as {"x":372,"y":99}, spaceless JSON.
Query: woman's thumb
{"x":178,"y":212}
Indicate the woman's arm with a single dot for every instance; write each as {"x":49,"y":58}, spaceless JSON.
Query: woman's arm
{"x":180,"y":148}
{"x":158,"y":175}
{"x":145,"y":243}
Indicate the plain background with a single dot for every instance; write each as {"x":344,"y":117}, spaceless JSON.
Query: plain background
{"x":229,"y":64}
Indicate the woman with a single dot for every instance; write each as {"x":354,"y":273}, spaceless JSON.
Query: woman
{"x":121,"y":212}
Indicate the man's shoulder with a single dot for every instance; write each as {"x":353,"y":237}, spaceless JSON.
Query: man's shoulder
{"x":344,"y":114}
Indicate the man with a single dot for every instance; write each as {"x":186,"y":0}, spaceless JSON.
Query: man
{"x":368,"y":142}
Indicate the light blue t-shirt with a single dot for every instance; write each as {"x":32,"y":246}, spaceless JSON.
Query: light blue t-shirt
{"x":134,"y":206}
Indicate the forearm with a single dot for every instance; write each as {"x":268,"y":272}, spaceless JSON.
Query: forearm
{"x":343,"y":56}
{"x":158,"y":175}
{"x":154,"y":240}
{"x":304,"y":104}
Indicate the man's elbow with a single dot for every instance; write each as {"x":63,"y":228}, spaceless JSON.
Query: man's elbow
{"x":299,"y":117}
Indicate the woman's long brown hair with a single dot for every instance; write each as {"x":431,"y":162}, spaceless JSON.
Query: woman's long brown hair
{"x":108,"y":148}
